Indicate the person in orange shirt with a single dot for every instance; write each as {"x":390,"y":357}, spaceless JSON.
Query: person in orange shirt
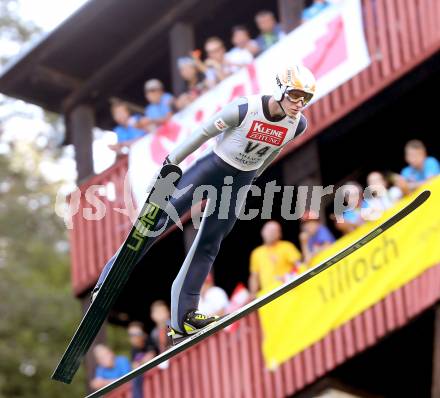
{"x":271,"y":261}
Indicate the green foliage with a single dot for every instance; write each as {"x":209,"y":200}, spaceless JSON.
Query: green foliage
{"x":12,"y":27}
{"x":37,"y":311}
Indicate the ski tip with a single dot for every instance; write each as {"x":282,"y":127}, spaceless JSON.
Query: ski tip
{"x":416,"y":202}
{"x":425,"y":194}
{"x":61,"y":378}
{"x":422,"y":197}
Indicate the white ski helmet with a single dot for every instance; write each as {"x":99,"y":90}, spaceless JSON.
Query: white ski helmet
{"x":296,"y":77}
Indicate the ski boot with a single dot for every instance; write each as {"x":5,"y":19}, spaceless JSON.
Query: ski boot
{"x":193,"y":322}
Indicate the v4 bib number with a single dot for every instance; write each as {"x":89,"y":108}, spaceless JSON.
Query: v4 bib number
{"x":257,"y":149}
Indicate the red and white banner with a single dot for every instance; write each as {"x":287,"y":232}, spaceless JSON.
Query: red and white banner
{"x":332,"y":45}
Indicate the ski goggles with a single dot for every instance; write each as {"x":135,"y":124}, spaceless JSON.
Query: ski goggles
{"x":297,"y":95}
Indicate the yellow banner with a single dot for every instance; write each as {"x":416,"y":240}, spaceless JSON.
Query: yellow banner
{"x":305,"y":315}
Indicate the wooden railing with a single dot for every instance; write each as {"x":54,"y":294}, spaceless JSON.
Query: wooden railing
{"x":93,"y":242}
{"x":230,"y":364}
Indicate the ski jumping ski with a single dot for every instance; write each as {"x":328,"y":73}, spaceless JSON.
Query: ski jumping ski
{"x":117,"y":278}
{"x":265,"y":299}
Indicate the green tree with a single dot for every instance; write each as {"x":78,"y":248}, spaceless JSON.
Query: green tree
{"x":37,"y":311}
{"x":13,"y":29}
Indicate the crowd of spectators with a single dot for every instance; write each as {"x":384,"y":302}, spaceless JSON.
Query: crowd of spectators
{"x":199,"y":75}
{"x":275,"y":260}
{"x":145,"y":346}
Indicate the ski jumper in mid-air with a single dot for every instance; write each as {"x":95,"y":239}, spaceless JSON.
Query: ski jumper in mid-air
{"x":251,"y":131}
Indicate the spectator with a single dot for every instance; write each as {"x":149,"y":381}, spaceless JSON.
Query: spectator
{"x":314,"y":236}
{"x":273,"y":260}
{"x":382,"y":196}
{"x":160,"y":105}
{"x":194,"y":82}
{"x":313,"y":10}
{"x":126,"y":129}
{"x":109,"y":367}
{"x":160,"y":314}
{"x":270,"y":31}
{"x":216,"y":66}
{"x":244,"y":48}
{"x":239,"y":297}
{"x":351,"y":217}
{"x":141,"y":351}
{"x":421,"y":167}
{"x":213,"y":299}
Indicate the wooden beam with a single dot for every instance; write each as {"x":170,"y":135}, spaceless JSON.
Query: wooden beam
{"x":120,"y":60}
{"x":156,"y":49}
{"x":289,"y":12}
{"x":121,"y":79}
{"x":81,"y":122}
{"x":181,"y":43}
{"x":56,"y":78}
{"x":23,"y":65}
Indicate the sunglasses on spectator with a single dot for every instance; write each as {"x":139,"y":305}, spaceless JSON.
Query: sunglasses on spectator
{"x":298,"y":95}
{"x":151,"y":90}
